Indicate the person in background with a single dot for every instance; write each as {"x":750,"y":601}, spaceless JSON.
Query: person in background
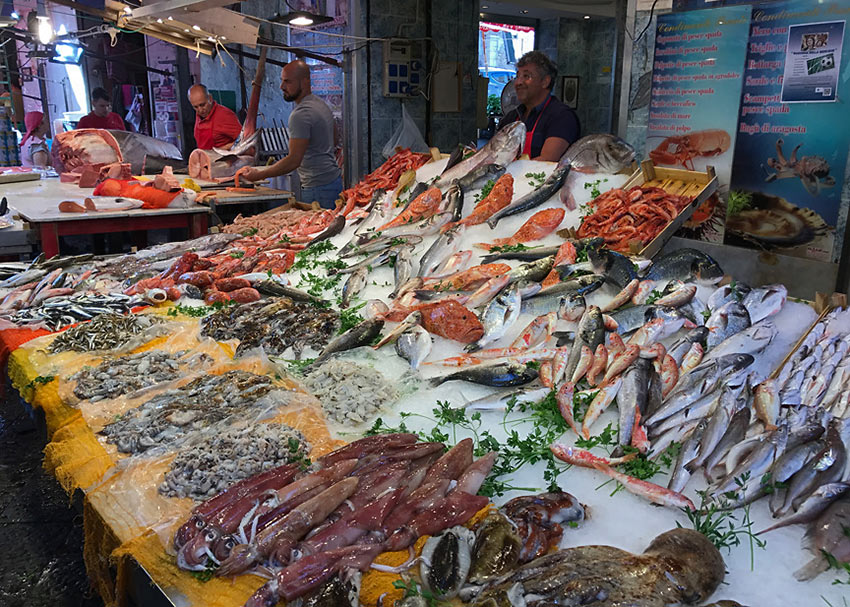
{"x":551,"y":126}
{"x":311,"y":143}
{"x":215,"y":125}
{"x":101,"y":115}
{"x":34,"y":152}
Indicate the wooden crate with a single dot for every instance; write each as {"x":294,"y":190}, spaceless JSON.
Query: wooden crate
{"x":698,"y":184}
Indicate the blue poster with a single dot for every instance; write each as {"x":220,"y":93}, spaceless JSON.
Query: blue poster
{"x":696,"y":89}
{"x":789,"y":157}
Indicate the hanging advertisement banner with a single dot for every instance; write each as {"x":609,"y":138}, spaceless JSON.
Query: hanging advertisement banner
{"x":812,"y":62}
{"x":696,"y":91}
{"x":790,"y":157}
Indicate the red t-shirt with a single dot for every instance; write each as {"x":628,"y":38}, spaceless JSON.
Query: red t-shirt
{"x":219,"y":129}
{"x":93,"y":121}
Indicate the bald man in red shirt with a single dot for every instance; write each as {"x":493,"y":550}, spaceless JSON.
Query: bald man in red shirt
{"x":215,"y":125}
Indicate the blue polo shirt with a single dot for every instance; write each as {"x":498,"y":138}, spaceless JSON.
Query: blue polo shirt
{"x":557,"y":120}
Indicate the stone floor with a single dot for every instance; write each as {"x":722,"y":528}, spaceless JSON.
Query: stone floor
{"x":41,"y":536}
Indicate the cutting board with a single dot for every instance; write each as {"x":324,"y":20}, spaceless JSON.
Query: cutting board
{"x":258,"y":195}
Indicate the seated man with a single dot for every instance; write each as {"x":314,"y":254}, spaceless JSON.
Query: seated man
{"x":101,"y":116}
{"x":215,"y":125}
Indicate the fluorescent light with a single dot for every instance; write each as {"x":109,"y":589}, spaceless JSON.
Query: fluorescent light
{"x":45,"y":30}
{"x":159,"y":20}
{"x":195,"y":27}
{"x":301,"y":20}
{"x":15,"y":15}
{"x":170,"y":18}
{"x":587,"y":16}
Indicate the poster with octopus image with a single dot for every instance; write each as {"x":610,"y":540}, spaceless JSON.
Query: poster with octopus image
{"x":696,"y":88}
{"x":790,"y":158}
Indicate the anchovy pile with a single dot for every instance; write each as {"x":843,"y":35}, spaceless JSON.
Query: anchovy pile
{"x":208,"y":402}
{"x":275,"y":325}
{"x":126,"y":374}
{"x":217,"y":461}
{"x":104,"y":332}
{"x":350,"y":392}
{"x":60,"y":312}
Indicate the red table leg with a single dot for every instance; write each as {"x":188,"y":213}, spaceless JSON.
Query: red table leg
{"x":198,"y":225}
{"x":49,"y":236}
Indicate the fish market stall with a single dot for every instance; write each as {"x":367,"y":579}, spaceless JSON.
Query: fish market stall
{"x":38,"y":203}
{"x":454,"y":384}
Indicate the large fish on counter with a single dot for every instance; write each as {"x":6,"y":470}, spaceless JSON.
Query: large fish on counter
{"x":600,"y":153}
{"x":75,"y":149}
{"x":501,"y":150}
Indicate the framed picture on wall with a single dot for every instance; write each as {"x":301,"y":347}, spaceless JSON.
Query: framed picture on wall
{"x":569,"y":91}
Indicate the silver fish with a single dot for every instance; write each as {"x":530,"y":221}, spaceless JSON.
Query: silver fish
{"x":754,"y":466}
{"x":497,"y":374}
{"x":499,"y":316}
{"x":480,"y":176}
{"x":681,"y":347}
{"x":813,"y":505}
{"x":23,"y":278}
{"x":752,"y":340}
{"x":534,"y":198}
{"x":502,"y":149}
{"x":688,"y":265}
{"x":734,"y":434}
{"x":374,"y":260}
{"x":353,"y":286}
{"x":699,"y":382}
{"x":359,"y":335}
{"x":597,"y":153}
{"x":498,"y":400}
{"x":632,"y":397}
{"x":402,"y":269}
{"x":550,"y":299}
{"x":726,"y":321}
{"x":765,"y":301}
{"x":590,"y":333}
{"x":534,"y":270}
{"x":688,"y":451}
{"x":379,"y":243}
{"x":414,"y":345}
{"x":443,"y":247}
{"x":718,"y":423}
{"x":734,"y":291}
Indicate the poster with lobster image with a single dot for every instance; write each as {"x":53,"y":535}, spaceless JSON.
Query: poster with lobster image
{"x":696,"y":88}
{"x":793,"y":138}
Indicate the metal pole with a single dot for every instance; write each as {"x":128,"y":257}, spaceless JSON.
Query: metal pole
{"x":625,"y":71}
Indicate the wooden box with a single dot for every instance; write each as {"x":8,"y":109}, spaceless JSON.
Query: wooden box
{"x":698,"y":184}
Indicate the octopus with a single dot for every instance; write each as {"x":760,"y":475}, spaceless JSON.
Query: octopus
{"x":813,"y":171}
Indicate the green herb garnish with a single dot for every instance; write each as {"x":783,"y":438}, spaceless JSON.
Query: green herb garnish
{"x":536,"y":179}
{"x":250,"y":232}
{"x":485,"y":191}
{"x":237,"y":254}
{"x":512,"y":248}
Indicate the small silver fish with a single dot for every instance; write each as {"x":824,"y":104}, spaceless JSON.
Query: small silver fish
{"x":414,"y":345}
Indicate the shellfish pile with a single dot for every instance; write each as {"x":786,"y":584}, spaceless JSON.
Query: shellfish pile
{"x":126,"y":374}
{"x":208,"y":402}
{"x":217,"y":461}
{"x":350,"y":392}
{"x":274,"y":324}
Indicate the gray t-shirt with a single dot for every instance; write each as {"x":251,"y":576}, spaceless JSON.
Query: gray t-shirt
{"x":312,"y":119}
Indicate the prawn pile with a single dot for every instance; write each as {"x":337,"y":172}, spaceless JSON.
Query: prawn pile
{"x":631,"y":217}
{"x":291,"y":221}
{"x":384,"y":177}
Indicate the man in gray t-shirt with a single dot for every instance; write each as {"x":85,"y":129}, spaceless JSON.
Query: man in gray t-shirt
{"x":311,"y":141}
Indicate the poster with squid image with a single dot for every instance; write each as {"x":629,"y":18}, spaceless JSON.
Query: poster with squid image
{"x":793,"y":135}
{"x":696,"y":88}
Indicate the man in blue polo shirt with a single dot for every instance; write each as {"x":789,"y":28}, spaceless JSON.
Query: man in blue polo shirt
{"x":551,"y":126}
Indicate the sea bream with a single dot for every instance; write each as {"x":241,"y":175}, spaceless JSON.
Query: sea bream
{"x":502,"y":149}
{"x":598,"y":153}
{"x":687,"y":265}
